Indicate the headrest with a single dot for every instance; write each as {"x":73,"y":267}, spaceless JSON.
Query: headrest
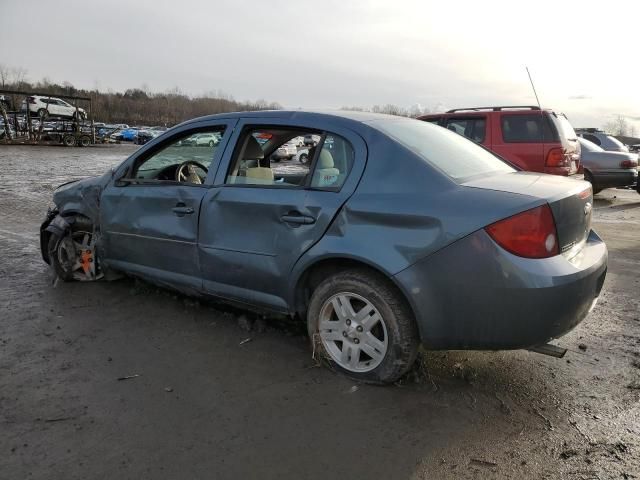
{"x":325,"y":160}
{"x":252,"y":150}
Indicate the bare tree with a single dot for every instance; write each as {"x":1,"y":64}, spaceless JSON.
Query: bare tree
{"x":618,"y":126}
{"x":4,"y":75}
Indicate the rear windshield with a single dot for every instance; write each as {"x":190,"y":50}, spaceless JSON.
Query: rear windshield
{"x":459,"y":158}
{"x":589,"y":146}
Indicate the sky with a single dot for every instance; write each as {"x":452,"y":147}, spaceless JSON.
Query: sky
{"x":583,"y":56}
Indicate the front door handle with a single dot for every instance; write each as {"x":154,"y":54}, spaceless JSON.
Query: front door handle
{"x":297,"y":218}
{"x":181,"y":210}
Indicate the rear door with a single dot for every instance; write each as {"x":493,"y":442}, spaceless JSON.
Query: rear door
{"x":257,"y":221}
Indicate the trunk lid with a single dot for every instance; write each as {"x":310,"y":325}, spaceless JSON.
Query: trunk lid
{"x":571,"y":201}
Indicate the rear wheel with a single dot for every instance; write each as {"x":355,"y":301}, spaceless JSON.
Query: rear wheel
{"x":362,"y":326}
{"x":589,"y":178}
{"x":304,"y":158}
{"x":73,"y":256}
{"x":69,"y":141}
{"x":84,"y":141}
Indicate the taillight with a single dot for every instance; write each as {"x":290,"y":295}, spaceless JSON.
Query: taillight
{"x":629,"y":164}
{"x":556,"y":158}
{"x":530,"y":234}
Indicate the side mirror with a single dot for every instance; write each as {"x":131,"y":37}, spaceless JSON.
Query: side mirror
{"x":123,"y":181}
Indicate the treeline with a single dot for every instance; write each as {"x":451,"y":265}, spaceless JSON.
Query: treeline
{"x":391,"y":109}
{"x":135,"y":106}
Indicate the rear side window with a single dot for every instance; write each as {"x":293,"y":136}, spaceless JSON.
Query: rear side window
{"x":333,"y":164}
{"x":456,"y":156}
{"x":473,"y":128}
{"x":530,"y":128}
{"x":592,"y":138}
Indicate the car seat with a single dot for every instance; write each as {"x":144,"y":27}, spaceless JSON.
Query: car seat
{"x":326,"y":174}
{"x":253,"y":152}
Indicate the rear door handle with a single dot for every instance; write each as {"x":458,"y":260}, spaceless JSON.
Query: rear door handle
{"x":181,"y":210}
{"x":297,"y":218}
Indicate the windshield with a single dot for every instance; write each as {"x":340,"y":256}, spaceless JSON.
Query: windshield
{"x":458,"y":157}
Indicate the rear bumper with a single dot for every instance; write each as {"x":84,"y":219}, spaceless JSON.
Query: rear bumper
{"x":475,"y":295}
{"x":621,"y":178}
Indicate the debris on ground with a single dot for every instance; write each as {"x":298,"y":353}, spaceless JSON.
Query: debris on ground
{"x":128,"y":377}
{"x":582,"y":347}
{"x":482,"y":463}
{"x":353,"y":389}
{"x":568,"y":454}
{"x":61,"y":419}
{"x":246,"y":340}
{"x":168,"y":389}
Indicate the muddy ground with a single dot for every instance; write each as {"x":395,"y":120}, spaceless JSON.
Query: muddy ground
{"x":208,"y":405}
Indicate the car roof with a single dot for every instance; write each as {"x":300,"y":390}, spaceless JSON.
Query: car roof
{"x":339,"y":115}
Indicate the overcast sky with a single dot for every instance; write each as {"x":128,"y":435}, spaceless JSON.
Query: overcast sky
{"x":584,"y":57}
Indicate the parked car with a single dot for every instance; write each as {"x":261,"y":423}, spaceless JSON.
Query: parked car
{"x":126,"y":135}
{"x":207,"y":139}
{"x":288,"y":151}
{"x":602,"y":140}
{"x":6,"y":102}
{"x":607,"y":169}
{"x":404,"y":233}
{"x":44,"y":107}
{"x":303,"y":155}
{"x":310,"y":140}
{"x":532,"y":139}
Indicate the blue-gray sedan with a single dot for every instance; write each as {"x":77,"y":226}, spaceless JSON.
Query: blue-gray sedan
{"x":396,"y":232}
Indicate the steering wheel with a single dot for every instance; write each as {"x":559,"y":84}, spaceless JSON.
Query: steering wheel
{"x":186,"y":172}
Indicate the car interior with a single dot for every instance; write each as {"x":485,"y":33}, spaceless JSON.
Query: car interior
{"x":331,"y":160}
{"x":187,"y":160}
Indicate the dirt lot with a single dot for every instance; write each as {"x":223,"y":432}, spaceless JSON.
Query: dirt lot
{"x":207,"y":405}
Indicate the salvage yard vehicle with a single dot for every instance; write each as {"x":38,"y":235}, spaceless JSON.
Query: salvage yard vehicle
{"x":607,"y":169}
{"x":45,"y":107}
{"x":533,"y":139}
{"x":602,"y":139}
{"x":402,"y":233}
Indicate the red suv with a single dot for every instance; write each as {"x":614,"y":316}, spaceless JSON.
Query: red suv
{"x":530,"y":138}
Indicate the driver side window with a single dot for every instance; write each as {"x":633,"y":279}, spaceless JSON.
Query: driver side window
{"x":185,"y":159}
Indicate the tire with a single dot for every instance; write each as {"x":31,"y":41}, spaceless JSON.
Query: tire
{"x":211,"y":143}
{"x":69,"y":141}
{"x":387,"y":329}
{"x":589,"y":178}
{"x":43,"y":113}
{"x":304,"y":159}
{"x":65,"y":251}
{"x":84,"y":141}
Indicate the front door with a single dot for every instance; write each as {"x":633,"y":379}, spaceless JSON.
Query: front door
{"x":149,"y":214}
{"x":262,"y":216}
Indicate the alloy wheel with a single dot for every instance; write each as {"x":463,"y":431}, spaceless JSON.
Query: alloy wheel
{"x":353,"y":332}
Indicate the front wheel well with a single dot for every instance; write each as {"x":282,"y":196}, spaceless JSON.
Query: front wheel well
{"x":316,"y":273}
